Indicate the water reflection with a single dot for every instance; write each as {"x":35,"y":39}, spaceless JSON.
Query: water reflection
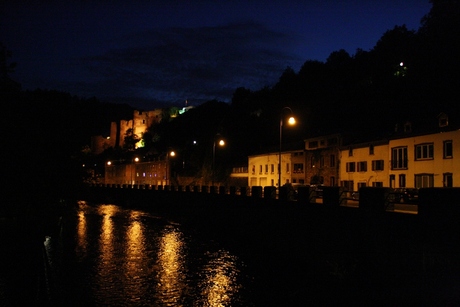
{"x":219,"y":284}
{"x":82,"y":240}
{"x":107,"y":275}
{"x":129,"y":257}
{"x":136,"y":271}
{"x":171,"y":269}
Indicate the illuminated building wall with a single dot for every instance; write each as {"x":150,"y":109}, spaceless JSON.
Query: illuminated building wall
{"x":364,"y":165}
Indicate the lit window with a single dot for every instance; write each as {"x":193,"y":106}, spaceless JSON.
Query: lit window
{"x":298,"y":168}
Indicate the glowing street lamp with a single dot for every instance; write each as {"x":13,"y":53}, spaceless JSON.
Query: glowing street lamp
{"x":291,"y":121}
{"x":170,"y":154}
{"x":221,"y":143}
{"x":135,"y":159}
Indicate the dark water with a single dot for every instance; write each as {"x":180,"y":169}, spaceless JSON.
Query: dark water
{"x":107,"y":255}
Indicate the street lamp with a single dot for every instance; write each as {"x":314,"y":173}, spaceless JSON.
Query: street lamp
{"x":135,"y":159}
{"x":291,"y":121}
{"x":221,"y":143}
{"x":170,"y":154}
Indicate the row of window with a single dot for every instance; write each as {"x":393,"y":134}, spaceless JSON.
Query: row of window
{"x":421,"y":152}
{"x":361,"y":166}
{"x":420,"y":180}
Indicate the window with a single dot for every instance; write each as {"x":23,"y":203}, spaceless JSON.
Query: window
{"x":399,"y":158}
{"x":350,"y":167}
{"x":332,"y":181}
{"x":424,"y":151}
{"x":377,"y":184}
{"x":312,"y":162}
{"x":287,"y":168}
{"x":332,"y":161}
{"x":350,"y":152}
{"x":447,"y":180}
{"x":266,"y":168}
{"x":371,"y":149}
{"x":321,"y":161}
{"x":424,"y":181}
{"x":273,"y":168}
{"x":447,"y":150}
{"x":361,"y":185}
{"x":260,"y":169}
{"x":362,"y":166}
{"x":402,"y":180}
{"x":298,"y":168}
{"x":377,"y":165}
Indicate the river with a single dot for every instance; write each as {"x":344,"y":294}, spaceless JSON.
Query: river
{"x":102,"y":254}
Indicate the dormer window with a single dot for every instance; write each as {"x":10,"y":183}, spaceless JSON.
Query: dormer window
{"x":443,"y":120}
{"x":408,"y":127}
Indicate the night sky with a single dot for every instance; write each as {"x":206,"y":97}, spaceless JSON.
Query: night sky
{"x":155,"y":53}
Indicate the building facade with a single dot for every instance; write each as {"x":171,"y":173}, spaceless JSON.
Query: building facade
{"x":364,"y":165}
{"x":153,"y":173}
{"x":429,"y":160}
{"x":322,"y":160}
{"x":263,"y":168}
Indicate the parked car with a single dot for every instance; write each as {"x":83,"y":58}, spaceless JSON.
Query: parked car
{"x":355,"y":195}
{"x":406,"y":195}
{"x":318,"y":188}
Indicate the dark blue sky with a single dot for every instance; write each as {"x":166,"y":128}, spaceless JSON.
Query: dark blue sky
{"x":147,"y":53}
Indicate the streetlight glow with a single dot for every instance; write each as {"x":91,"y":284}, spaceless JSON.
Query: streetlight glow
{"x":291,"y":121}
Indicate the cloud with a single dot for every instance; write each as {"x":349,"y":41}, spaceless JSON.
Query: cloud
{"x":198,"y":64}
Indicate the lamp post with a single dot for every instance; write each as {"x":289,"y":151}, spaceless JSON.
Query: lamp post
{"x":221,"y":143}
{"x":291,"y":121}
{"x":170,"y":154}
{"x":135,"y":159}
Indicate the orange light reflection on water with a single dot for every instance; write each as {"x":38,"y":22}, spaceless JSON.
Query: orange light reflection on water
{"x":171,"y":268}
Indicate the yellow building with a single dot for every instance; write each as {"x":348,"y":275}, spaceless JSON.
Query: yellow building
{"x":364,"y":165}
{"x":419,"y":161}
{"x":263,"y":168}
{"x":430,"y":160}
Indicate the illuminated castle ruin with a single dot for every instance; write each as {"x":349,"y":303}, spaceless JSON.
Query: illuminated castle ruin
{"x":140,"y":122}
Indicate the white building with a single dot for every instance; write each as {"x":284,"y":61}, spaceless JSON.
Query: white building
{"x":263,"y":168}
